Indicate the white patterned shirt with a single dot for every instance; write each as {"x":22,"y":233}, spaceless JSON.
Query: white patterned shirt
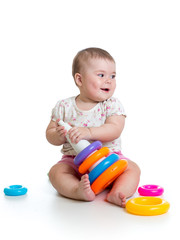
{"x":68,"y":111}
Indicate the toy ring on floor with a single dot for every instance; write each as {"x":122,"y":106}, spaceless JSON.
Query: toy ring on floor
{"x":15,"y":190}
{"x":87,"y":151}
{"x":92,"y":159}
{"x":109,"y":175}
{"x":102,"y":166}
{"x":150,"y":190}
{"x":147,"y":206}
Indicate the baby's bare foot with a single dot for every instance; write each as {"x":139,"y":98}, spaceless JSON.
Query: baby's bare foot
{"x":84,"y":190}
{"x":117,"y":198}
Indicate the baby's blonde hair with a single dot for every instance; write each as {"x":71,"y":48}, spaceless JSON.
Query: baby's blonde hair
{"x":86,"y":54}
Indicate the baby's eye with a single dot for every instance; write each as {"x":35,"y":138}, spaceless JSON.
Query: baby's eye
{"x":101,"y":75}
{"x":113,"y":76}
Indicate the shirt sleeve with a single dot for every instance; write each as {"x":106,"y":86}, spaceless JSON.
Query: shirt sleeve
{"x":114,"y":107}
{"x":58,"y":111}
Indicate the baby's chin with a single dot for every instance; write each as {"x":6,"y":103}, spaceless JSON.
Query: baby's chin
{"x":103,"y":96}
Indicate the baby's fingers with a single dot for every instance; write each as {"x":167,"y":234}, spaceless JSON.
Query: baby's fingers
{"x":61,"y":130}
{"x":74,"y":134}
{"x":57,"y":121}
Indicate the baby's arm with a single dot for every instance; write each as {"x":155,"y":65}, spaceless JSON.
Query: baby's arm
{"x":110,"y":130}
{"x":55,"y":134}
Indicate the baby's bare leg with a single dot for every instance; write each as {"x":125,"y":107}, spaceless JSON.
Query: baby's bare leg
{"x":64,"y":179}
{"x":125,"y":185}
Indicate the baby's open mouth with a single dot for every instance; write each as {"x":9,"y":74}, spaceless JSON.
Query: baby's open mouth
{"x":105,"y":89}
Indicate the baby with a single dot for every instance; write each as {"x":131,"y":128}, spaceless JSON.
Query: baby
{"x":94,"y":115}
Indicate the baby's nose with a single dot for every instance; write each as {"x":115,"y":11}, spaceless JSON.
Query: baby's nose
{"x":108,"y":80}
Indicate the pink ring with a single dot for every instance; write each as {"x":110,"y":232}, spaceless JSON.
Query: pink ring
{"x":150,"y":190}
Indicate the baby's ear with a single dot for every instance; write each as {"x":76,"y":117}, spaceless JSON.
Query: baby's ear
{"x":78,"y":79}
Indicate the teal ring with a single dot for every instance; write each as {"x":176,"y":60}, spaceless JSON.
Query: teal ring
{"x":15,"y":190}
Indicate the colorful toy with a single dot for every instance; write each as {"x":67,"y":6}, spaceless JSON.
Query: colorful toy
{"x":103,"y":167}
{"x":150,"y":204}
{"x":15,"y":190}
{"x":150,"y":190}
{"x":147,"y":206}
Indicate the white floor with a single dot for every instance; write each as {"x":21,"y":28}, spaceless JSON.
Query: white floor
{"x":43,"y":213}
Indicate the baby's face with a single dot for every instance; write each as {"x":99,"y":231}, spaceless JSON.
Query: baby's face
{"x":98,"y":79}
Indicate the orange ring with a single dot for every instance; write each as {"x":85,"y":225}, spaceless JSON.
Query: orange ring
{"x":109,"y":175}
{"x":88,"y":162}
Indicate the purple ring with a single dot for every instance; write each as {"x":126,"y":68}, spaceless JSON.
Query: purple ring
{"x":86,"y":152}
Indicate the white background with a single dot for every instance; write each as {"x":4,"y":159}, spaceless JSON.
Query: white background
{"x":38,"y":40}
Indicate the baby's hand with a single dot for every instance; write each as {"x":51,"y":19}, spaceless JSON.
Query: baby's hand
{"x":78,"y":133}
{"x":60,"y":130}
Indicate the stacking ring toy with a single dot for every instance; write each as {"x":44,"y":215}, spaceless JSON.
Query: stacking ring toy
{"x":102,"y":166}
{"x":15,"y":190}
{"x":150,"y":190}
{"x":88,"y":162}
{"x":109,"y":175}
{"x":147,"y":206}
{"x":87,"y":151}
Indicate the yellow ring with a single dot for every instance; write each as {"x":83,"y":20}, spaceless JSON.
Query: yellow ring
{"x":88,"y":162}
{"x":147,"y":206}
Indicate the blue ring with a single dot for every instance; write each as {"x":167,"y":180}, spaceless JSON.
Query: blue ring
{"x":15,"y":190}
{"x":86,"y":152}
{"x":102,"y":166}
